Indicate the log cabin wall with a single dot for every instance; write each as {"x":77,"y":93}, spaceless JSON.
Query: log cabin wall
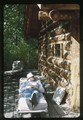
{"x":54,"y":51}
{"x":59,"y":56}
{"x":59,"y":47}
{"x":31,"y":22}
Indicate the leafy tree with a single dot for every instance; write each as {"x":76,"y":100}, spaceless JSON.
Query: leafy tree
{"x":16,"y":46}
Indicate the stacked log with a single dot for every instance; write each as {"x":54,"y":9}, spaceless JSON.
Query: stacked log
{"x":55,"y":54}
{"x":53,"y":33}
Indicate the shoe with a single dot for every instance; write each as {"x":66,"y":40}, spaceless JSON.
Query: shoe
{"x":34,"y":100}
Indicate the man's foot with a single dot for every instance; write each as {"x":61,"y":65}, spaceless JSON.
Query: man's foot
{"x":34,"y":100}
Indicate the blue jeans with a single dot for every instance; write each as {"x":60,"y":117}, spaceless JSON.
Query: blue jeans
{"x":27,"y":93}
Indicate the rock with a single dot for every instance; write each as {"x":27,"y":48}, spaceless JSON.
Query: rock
{"x":27,"y":115}
{"x":12,"y":72}
{"x":17,"y":65}
{"x":8,"y":115}
{"x":58,"y":95}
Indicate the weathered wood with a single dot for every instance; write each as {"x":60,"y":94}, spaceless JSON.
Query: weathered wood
{"x":56,"y":15}
{"x":32,"y":24}
{"x":59,"y":67}
{"x":59,"y":6}
{"x":42,"y":15}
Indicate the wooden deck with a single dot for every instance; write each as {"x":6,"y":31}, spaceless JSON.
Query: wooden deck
{"x":11,"y":85}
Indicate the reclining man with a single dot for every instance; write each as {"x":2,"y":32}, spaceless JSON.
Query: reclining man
{"x":32,"y":91}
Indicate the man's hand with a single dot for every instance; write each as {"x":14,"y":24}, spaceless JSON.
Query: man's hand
{"x":32,"y":86}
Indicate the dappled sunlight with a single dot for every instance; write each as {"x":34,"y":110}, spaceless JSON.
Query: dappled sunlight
{"x":49,"y":49}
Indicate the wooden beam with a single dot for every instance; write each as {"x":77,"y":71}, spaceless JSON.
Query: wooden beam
{"x":43,"y":15}
{"x":61,"y":6}
{"x":56,"y":15}
{"x":32,"y":24}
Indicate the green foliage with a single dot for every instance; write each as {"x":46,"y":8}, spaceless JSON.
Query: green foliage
{"x":16,"y":46}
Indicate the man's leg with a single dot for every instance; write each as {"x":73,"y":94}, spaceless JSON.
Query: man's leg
{"x":29,"y":103}
{"x":35,"y":97}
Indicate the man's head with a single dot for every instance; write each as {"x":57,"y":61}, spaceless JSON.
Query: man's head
{"x":30,"y":76}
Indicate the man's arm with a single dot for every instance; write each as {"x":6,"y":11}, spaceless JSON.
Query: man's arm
{"x":40,"y":87}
